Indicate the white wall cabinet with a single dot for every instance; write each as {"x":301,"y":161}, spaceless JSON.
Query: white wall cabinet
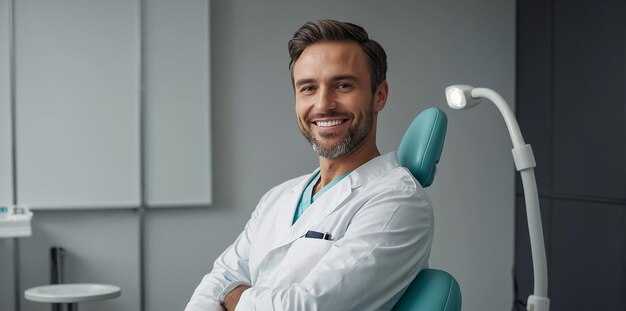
{"x":77,"y":106}
{"x":80,"y":67}
{"x":177,"y":115}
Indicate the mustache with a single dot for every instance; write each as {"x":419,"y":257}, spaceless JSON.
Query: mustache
{"x":333,"y":114}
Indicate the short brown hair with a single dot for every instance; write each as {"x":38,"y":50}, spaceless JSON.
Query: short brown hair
{"x":329,"y":30}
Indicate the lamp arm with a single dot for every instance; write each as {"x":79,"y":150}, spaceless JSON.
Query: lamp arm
{"x":525,"y":163}
{"x":505,"y":110}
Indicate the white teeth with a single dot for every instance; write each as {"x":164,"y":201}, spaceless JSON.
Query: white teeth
{"x":328,"y":123}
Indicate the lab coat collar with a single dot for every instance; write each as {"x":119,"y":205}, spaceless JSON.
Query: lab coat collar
{"x":284,"y":219}
{"x":361,"y":175}
{"x":373,"y":169}
{"x":333,"y":198}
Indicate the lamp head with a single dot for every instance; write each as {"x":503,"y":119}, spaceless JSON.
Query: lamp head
{"x":460,"y":96}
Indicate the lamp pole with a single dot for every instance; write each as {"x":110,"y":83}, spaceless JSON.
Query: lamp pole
{"x":525,"y":164}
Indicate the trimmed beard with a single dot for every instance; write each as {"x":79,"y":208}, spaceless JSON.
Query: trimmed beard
{"x":353,"y":139}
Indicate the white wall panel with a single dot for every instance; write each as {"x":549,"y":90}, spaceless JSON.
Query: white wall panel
{"x":77,"y":103}
{"x":177,"y":102}
{"x":6,"y":163}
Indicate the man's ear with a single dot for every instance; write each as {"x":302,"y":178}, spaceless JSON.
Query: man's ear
{"x":380,"y":96}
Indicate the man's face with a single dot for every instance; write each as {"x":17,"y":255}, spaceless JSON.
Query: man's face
{"x":335,"y":107}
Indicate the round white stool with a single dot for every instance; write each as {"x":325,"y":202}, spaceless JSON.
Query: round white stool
{"x":72,"y":294}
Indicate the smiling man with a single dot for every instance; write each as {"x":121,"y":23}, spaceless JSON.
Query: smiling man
{"x":354,"y":233}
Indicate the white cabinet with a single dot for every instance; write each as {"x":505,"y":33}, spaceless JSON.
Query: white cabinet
{"x":79,"y":73}
{"x":177,"y":91}
{"x":77,"y":91}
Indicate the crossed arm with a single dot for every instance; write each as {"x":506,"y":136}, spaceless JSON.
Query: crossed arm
{"x":231,"y":300}
{"x":387,"y":244}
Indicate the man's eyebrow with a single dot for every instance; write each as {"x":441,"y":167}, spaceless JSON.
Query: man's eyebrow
{"x":335,"y":78}
{"x":304,"y":81}
{"x":345,"y":77}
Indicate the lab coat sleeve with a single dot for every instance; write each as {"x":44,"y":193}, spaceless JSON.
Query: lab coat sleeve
{"x":229,"y":270}
{"x":385,"y":246}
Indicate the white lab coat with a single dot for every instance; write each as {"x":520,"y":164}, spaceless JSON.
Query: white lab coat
{"x":381,"y":224}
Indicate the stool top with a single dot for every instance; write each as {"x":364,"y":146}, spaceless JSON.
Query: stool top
{"x":71,"y":293}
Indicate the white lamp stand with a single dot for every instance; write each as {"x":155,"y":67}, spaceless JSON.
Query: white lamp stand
{"x":465,"y":96}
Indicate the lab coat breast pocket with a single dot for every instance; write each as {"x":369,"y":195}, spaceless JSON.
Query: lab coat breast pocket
{"x":301,"y":257}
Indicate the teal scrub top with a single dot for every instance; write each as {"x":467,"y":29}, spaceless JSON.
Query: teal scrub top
{"x":306,"y":199}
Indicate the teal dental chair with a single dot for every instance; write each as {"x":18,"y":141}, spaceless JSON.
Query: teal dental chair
{"x":419,"y":151}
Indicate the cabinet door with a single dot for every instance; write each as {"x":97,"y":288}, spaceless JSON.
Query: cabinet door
{"x":177,"y":136}
{"x":589,"y":110}
{"x":77,"y":90}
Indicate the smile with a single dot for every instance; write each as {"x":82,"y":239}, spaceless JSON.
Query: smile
{"x":329,"y":123}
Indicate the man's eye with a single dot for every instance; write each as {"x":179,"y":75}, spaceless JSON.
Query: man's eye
{"x":344,"y":86}
{"x":307,"y":89}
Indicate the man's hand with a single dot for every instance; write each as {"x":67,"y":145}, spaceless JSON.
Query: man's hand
{"x":232,"y":299}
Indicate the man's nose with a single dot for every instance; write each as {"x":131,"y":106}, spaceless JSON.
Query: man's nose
{"x":326,"y":100}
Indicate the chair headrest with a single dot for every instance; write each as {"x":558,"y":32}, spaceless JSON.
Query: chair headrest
{"x":421,"y":146}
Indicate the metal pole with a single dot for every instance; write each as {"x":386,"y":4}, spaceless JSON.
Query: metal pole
{"x":56,"y":270}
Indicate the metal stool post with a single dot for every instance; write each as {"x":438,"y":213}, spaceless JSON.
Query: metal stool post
{"x":56,"y":270}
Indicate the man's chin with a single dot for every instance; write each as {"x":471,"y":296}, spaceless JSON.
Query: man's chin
{"x":330,"y":152}
{"x":328,"y":147}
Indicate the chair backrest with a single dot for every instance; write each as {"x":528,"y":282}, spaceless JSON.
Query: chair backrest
{"x":420,"y":151}
{"x":421,"y":146}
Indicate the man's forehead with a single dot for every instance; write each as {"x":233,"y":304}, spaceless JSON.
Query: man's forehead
{"x":339,"y":55}
{"x":333,"y":49}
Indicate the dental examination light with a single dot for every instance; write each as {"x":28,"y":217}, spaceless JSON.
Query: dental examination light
{"x":465,"y":96}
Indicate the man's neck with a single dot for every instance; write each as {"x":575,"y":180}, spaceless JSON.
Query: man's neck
{"x":333,"y":168}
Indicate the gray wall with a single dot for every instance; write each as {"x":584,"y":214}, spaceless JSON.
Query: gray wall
{"x":572,"y":104}
{"x":430,"y":44}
